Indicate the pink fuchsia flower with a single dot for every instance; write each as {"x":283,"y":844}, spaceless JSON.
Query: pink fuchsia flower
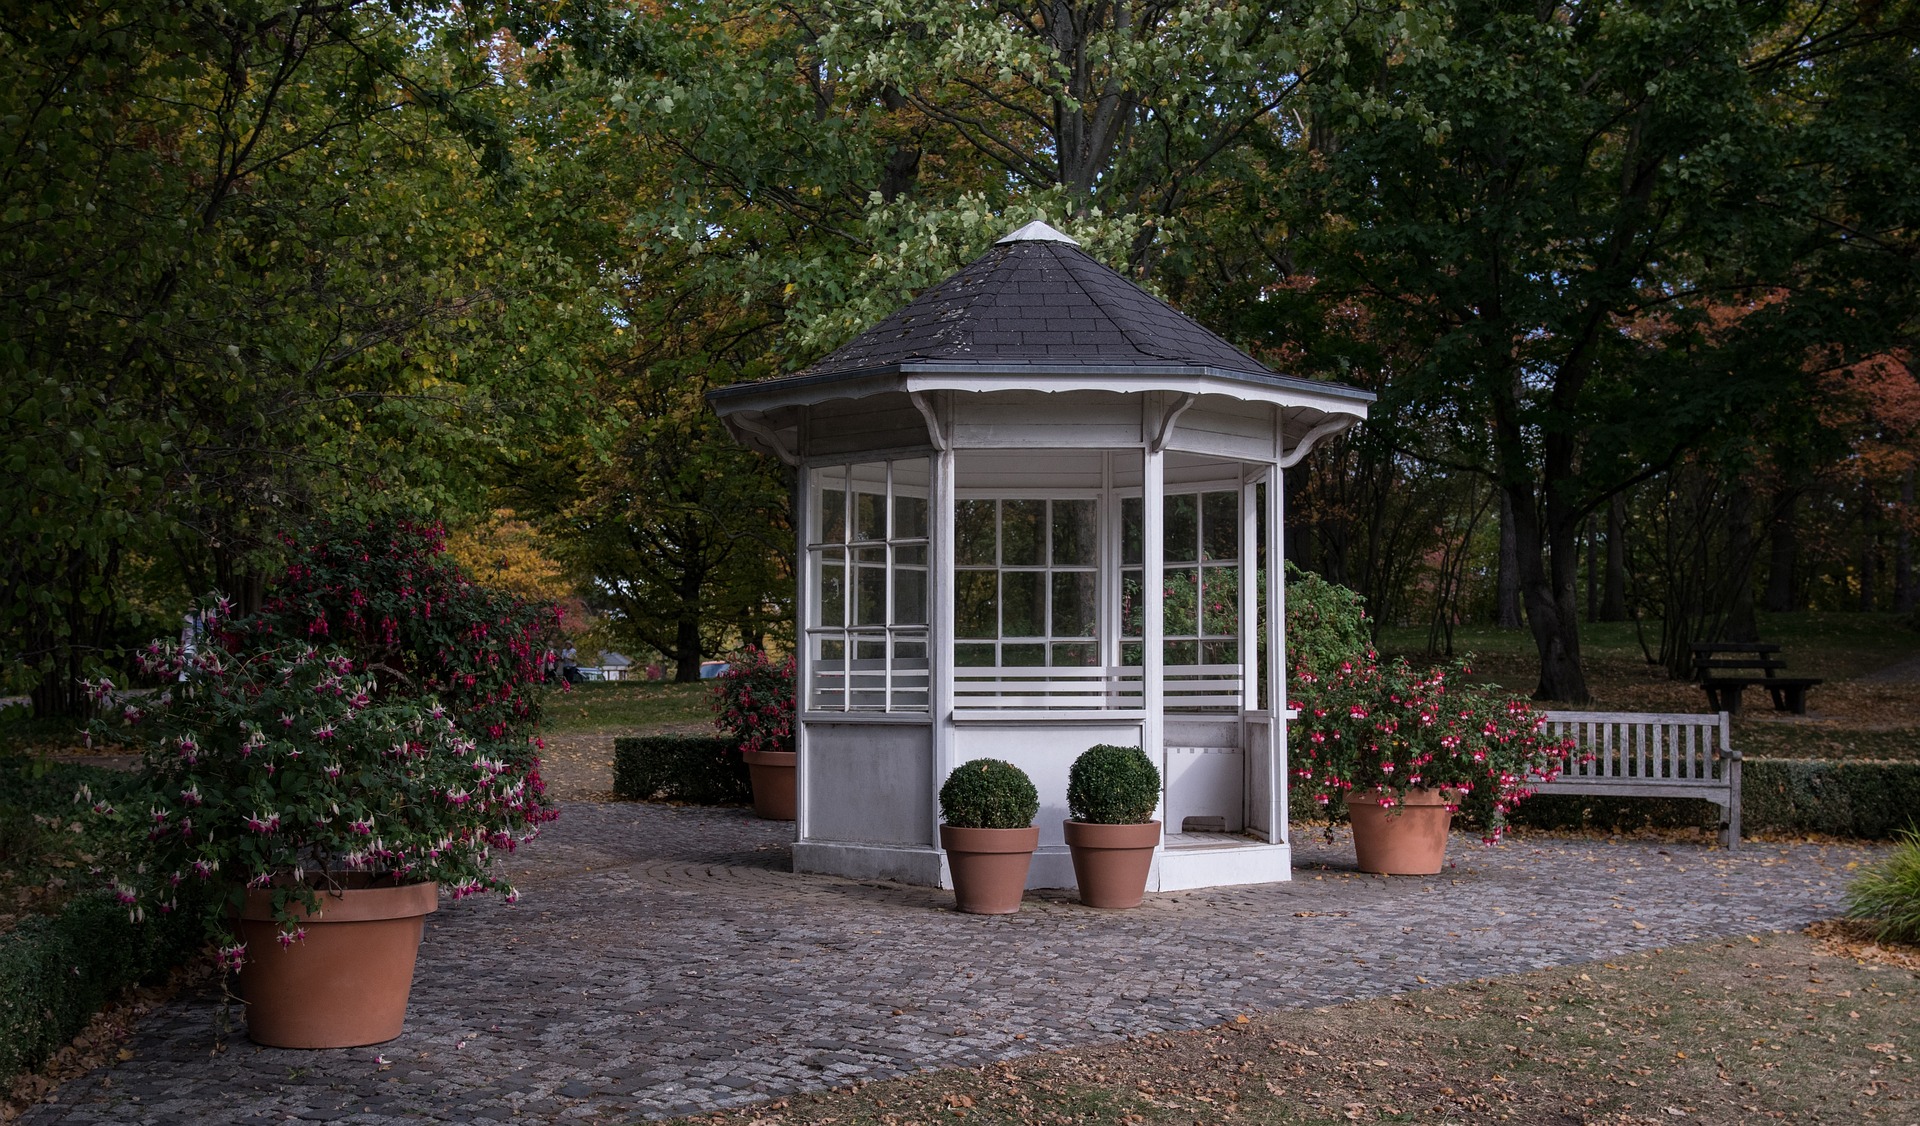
{"x":233,"y":957}
{"x":267,"y":823}
{"x":288,"y":938}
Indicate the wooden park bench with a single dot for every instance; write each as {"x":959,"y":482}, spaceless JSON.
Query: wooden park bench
{"x":1651,"y":755}
{"x":1713,"y":661}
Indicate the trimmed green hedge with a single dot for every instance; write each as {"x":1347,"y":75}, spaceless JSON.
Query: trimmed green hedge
{"x":1869,"y":800}
{"x":697,"y":769}
{"x":57,"y":971}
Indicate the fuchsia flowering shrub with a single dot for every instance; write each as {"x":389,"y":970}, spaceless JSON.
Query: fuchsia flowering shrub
{"x":1377,"y":731}
{"x":375,"y":722}
{"x":753,"y":701}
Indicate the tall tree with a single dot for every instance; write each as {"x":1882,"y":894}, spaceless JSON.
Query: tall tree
{"x":1600,"y":177}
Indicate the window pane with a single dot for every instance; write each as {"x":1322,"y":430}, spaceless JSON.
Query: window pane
{"x":1182,"y":653}
{"x":870,"y":607}
{"x":911,"y":650}
{"x":1023,"y":656}
{"x":1220,"y":601}
{"x":831,"y":610}
{"x":830,"y":519}
{"x":1073,"y":603}
{"x":1220,"y":525}
{"x":1132,"y":606}
{"x":1022,"y":542}
{"x":832,"y":651}
{"x":909,"y":596}
{"x":1183,"y":529}
{"x":1220,"y":652}
{"x":976,"y":609}
{"x":909,"y":517}
{"x":868,"y":648}
{"x":870,"y":516}
{"x":1074,"y":539}
{"x":1076,"y":653}
{"x":1132,"y":527}
{"x":1130,"y":655}
{"x":975,"y":656}
{"x":1181,"y":600}
{"x":1023,"y":612}
{"x":973,"y":525}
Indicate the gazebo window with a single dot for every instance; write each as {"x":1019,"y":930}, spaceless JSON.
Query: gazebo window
{"x":1200,"y":556}
{"x":867,"y":551}
{"x":1026,"y":588}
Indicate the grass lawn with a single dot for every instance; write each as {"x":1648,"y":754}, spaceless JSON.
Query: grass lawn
{"x":1751,"y":1029}
{"x":629,"y":704}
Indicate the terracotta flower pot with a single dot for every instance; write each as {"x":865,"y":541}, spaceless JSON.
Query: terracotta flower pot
{"x":1111,"y":862}
{"x":1409,"y":839}
{"x":346,"y":983}
{"x":989,"y":866}
{"x":771,"y":773}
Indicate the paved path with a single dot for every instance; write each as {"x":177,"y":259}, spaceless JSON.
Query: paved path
{"x":664,"y":961}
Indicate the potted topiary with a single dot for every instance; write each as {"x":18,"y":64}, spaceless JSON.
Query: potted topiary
{"x":297,"y":786}
{"x":1401,"y":751}
{"x":988,"y":833}
{"x":753,"y":701}
{"x":1111,"y":795}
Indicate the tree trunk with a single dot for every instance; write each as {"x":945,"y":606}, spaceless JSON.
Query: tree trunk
{"x":1549,"y":572}
{"x":1506,"y":607}
{"x":1782,"y":549}
{"x":1593,"y":570}
{"x":1741,"y":623}
{"x":1869,"y":552}
{"x":1905,"y":596}
{"x":686,"y":651}
{"x":1613,"y":602}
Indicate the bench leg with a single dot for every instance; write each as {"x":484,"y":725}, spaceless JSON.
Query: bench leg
{"x":1724,"y":697}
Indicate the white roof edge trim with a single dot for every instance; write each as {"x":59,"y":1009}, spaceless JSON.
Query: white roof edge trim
{"x":1037,"y":231}
{"x":1330,"y":404}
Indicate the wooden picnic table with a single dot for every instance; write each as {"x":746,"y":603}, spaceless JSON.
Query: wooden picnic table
{"x":1713,"y":661}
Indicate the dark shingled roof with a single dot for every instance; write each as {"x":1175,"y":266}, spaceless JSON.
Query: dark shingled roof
{"x":1037,"y":301}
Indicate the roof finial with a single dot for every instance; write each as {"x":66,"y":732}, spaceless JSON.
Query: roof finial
{"x":1037,"y":231}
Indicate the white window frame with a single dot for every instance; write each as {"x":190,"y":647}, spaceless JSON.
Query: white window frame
{"x":897,"y":680}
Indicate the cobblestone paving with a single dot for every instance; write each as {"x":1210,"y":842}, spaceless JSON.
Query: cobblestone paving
{"x":663,"y":961}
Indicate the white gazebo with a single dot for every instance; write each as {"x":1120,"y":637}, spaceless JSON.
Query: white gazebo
{"x":1039,"y":509}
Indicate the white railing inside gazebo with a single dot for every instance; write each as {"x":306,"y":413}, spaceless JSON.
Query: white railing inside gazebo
{"x":1092,"y":688}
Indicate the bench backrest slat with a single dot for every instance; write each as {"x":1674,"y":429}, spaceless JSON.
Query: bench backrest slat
{"x":1673,"y":746}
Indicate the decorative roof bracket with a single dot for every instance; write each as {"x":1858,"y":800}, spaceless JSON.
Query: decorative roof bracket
{"x":1312,"y":438}
{"x":756,"y":425}
{"x":1172,"y":416}
{"x":935,"y":433}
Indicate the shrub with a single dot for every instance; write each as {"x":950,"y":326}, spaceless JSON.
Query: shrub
{"x":753,"y":701}
{"x":1111,"y":785}
{"x":1874,"y":800}
{"x":1326,"y":624}
{"x":1378,"y":731}
{"x":1887,"y":895}
{"x":697,"y":769}
{"x":989,"y":794}
{"x":56,"y":971}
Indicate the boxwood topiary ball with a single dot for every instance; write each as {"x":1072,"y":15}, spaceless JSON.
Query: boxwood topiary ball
{"x":989,"y":794}
{"x":1111,"y":785}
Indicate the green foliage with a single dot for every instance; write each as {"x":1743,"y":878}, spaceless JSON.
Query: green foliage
{"x":696,"y":769}
{"x":1887,"y":895}
{"x":57,"y":971}
{"x":988,"y":793}
{"x":1326,"y":625}
{"x":1873,"y":800}
{"x":1109,"y":785}
{"x":256,"y":262}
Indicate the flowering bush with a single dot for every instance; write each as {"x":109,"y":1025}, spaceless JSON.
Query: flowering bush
{"x":753,"y":701}
{"x":1378,"y":731}
{"x":373,"y":722}
{"x":286,"y":769}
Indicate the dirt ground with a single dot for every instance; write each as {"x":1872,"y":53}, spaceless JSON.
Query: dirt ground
{"x":1762,"y":1028}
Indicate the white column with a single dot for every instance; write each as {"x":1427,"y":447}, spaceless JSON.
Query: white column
{"x":940,"y":574}
{"x":1153,"y":623}
{"x":803,"y":600}
{"x":1257,"y":758}
{"x":1277,"y":652}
